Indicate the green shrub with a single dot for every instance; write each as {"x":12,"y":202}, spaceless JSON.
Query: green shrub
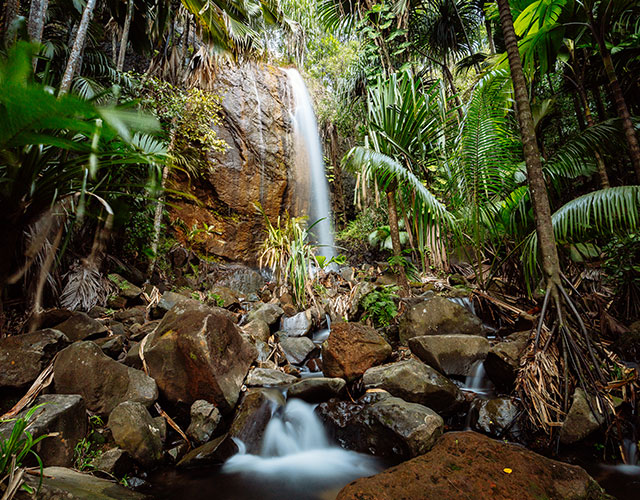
{"x":379,"y":305}
{"x":622,"y":268}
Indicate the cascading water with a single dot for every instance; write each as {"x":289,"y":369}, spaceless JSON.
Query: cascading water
{"x":305,"y":124}
{"x":296,"y":450}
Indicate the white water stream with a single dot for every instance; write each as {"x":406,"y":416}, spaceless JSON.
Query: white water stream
{"x":296,"y":449}
{"x":305,"y":124}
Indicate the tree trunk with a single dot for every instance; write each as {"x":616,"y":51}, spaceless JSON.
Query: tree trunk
{"x":602,"y":169}
{"x":537,"y":187}
{"x":157,"y":222}
{"x":492,"y":45}
{"x":11,"y":11}
{"x":597,"y":97}
{"x":76,"y":49}
{"x":452,"y":86}
{"x":338,"y":187}
{"x":579,"y":115}
{"x":124,"y":41}
{"x":394,"y":231}
{"x":618,"y":97}
{"x":37,"y":14}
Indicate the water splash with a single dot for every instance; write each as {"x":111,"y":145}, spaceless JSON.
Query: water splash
{"x":296,"y":449}
{"x":305,"y":124}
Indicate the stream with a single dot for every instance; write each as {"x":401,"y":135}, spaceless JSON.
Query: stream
{"x":296,"y":461}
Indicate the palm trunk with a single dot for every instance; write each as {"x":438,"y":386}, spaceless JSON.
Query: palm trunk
{"x":394,"y":231}
{"x":618,"y":97}
{"x":602,"y":114}
{"x":76,"y":49}
{"x":537,"y":187}
{"x":124,"y":41}
{"x":602,"y":169}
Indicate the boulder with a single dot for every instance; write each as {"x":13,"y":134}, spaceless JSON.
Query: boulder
{"x":269,"y":313}
{"x":167,"y":302}
{"x":437,"y":316}
{"x":464,"y":465}
{"x":297,"y":325}
{"x":351,"y":349}
{"x":317,"y":389}
{"x":197,"y":352}
{"x":496,"y":417}
{"x":215,"y":451}
{"x":126,"y":289}
{"x":59,"y":483}
{"x":132,"y":358}
{"x":252,"y":417}
{"x":416,"y":382}
{"x":64,"y":414}
{"x":401,"y":429}
{"x":80,"y":326}
{"x":266,"y":377}
{"x":257,"y":329}
{"x":224,"y":297}
{"x":239,"y":278}
{"x":503,"y":360}
{"x":112,"y":346}
{"x":113,"y":461}
{"x":580,"y":421}
{"x":384,"y":426}
{"x":450,"y":354}
{"x":296,"y":349}
{"x":23,"y":357}
{"x":132,"y":315}
{"x":136,"y":432}
{"x":204,"y":420}
{"x":82,"y":368}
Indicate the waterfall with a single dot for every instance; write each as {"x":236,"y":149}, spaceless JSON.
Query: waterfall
{"x":295,"y":448}
{"x":305,"y":124}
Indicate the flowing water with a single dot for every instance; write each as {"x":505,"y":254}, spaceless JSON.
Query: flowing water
{"x":305,"y":124}
{"x":297,"y":461}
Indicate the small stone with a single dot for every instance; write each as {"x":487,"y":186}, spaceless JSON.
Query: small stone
{"x":80,"y":326}
{"x":296,"y":349}
{"x":297,"y":325}
{"x":269,"y":313}
{"x":135,"y":431}
{"x":205,"y":418}
{"x":317,"y":389}
{"x":265,"y":377}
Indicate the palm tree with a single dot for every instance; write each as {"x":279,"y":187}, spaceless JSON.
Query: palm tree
{"x":567,"y":348}
{"x":405,"y":131}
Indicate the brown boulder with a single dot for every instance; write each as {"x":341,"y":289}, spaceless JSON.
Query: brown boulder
{"x":23,"y":357}
{"x":82,"y":368}
{"x":197,"y":352}
{"x":351,"y":349}
{"x":464,"y":465}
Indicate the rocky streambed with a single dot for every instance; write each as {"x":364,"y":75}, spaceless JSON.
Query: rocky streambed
{"x":157,"y":395}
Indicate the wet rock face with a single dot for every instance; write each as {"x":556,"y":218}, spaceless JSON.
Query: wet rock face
{"x":258,"y":165}
{"x":252,"y":417}
{"x":503,"y":360}
{"x":197,"y":352}
{"x":450,"y":354}
{"x":416,"y":382}
{"x":82,"y":368}
{"x":23,"y":357}
{"x":437,"y":316}
{"x":388,"y":427}
{"x":351,"y":349}
{"x":496,"y":417}
{"x":465,"y":465}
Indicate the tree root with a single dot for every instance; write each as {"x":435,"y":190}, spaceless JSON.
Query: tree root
{"x":564,"y":354}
